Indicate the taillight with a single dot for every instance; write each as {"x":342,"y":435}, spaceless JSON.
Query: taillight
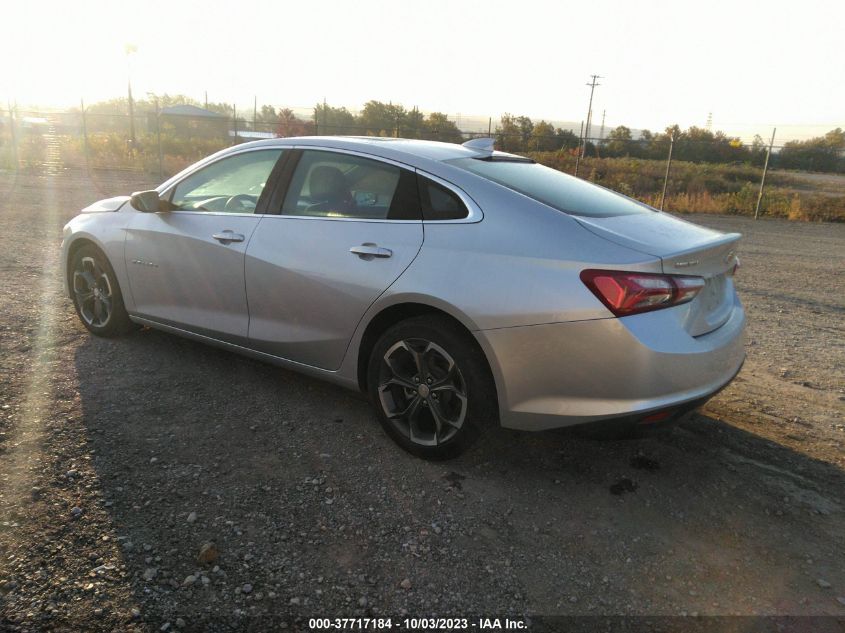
{"x":627,"y":293}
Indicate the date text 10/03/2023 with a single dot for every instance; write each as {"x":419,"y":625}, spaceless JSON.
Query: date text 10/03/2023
{"x":418,"y":624}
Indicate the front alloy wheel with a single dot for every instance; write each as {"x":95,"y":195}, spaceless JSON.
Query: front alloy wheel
{"x":93,"y":292}
{"x":96,"y":293}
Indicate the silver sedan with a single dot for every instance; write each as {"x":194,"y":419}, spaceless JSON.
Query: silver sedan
{"x":456,"y":285}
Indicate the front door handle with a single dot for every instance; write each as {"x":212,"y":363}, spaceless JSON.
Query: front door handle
{"x":228,"y":236}
{"x":368,"y":250}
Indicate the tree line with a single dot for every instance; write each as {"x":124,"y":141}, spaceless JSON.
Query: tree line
{"x":823,"y":153}
{"x":513,"y":133}
{"x":695,"y":144}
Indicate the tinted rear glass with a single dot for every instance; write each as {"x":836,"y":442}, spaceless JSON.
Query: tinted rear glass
{"x":438,"y":203}
{"x":549,"y":186}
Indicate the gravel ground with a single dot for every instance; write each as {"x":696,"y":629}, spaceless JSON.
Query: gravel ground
{"x":150,"y":483}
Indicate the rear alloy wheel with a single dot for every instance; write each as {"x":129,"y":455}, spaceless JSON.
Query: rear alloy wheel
{"x":96,"y":294}
{"x":431,"y":387}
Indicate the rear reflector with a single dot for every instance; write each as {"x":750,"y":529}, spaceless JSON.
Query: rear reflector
{"x":657,"y":417}
{"x":625,"y":293}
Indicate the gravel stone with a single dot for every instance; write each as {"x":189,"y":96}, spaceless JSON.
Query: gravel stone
{"x":208,"y":554}
{"x":518,"y":524}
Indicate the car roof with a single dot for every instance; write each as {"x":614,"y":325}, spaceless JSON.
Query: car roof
{"x":426,"y":155}
{"x":400,"y":149}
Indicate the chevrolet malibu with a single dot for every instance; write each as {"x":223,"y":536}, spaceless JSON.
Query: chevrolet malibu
{"x":456,"y":285}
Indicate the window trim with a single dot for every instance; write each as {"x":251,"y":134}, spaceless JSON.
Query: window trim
{"x":281,"y":177}
{"x":474,"y":213}
{"x":263,"y":199}
{"x":279,"y":194}
{"x":286,"y":178}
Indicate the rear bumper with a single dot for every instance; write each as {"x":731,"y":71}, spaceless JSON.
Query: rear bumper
{"x":563,"y":374}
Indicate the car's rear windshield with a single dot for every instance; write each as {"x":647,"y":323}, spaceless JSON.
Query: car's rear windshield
{"x":549,"y":186}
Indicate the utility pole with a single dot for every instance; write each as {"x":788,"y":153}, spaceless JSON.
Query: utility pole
{"x":206,"y":99}
{"x":668,"y":165}
{"x":131,"y":117}
{"x":763,"y":179}
{"x":130,"y":48}
{"x":592,"y":86}
{"x":84,"y":133}
{"x":12,"y":113}
{"x":158,"y":140}
{"x":254,"y":112}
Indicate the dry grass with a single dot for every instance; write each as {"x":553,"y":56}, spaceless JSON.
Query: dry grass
{"x":710,"y":188}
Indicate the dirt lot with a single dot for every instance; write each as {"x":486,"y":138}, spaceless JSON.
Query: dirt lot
{"x":120,"y":459}
{"x":815,"y":182}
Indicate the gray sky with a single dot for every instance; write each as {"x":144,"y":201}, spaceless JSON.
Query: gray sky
{"x":752,"y":64}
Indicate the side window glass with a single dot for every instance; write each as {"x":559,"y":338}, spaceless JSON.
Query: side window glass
{"x":332,"y":185}
{"x":230,"y":185}
{"x":438,"y":203}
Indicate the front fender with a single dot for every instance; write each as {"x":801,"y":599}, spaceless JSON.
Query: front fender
{"x":106,"y":231}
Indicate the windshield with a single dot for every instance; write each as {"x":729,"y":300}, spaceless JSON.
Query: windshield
{"x":556,"y":189}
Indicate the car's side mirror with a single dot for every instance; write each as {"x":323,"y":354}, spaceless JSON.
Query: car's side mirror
{"x":146,"y":201}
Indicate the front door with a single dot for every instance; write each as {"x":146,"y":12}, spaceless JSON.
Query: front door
{"x":186,"y":265}
{"x":347,"y":228}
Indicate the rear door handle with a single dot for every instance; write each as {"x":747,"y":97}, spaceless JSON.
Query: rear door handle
{"x":367,"y":250}
{"x":228,"y":236}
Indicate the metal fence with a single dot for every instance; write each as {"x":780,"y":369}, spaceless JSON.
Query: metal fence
{"x":683,"y":174}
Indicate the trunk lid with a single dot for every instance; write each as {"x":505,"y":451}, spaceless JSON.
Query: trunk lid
{"x":684,"y":248}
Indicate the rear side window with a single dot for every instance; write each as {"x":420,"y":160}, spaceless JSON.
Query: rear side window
{"x":438,"y":203}
{"x":335,"y":185}
{"x":549,"y":186}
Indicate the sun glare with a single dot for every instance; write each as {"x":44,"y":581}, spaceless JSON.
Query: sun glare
{"x":471,"y":58}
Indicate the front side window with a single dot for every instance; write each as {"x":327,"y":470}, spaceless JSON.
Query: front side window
{"x":549,"y":186}
{"x":230,"y":185}
{"x":334,"y":185}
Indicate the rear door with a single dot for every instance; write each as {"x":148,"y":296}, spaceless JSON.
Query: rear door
{"x":186,"y":264}
{"x":346,"y":226}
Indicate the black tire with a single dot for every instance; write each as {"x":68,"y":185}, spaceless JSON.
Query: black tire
{"x":452,"y":406}
{"x":96,"y":294}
